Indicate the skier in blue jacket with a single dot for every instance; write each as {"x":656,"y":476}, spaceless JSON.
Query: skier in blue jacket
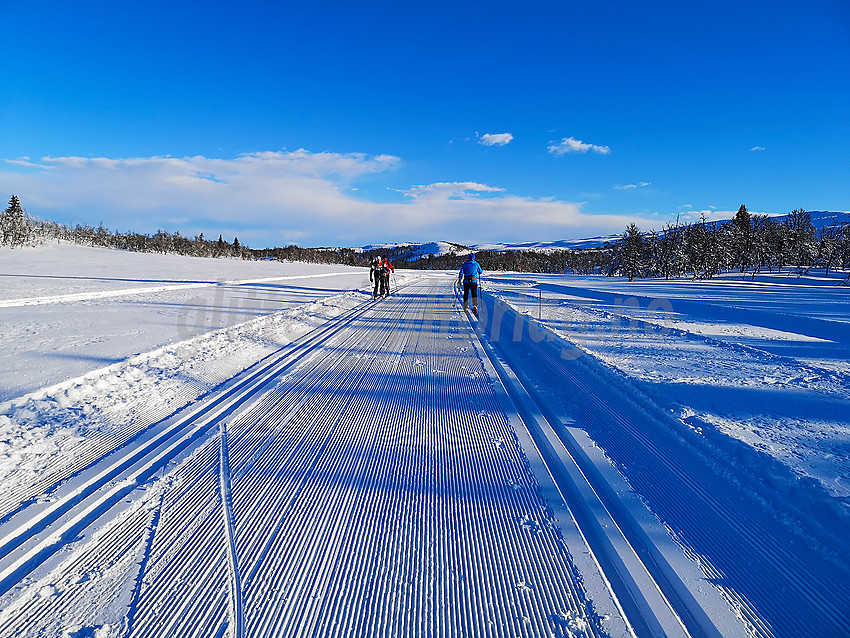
{"x":468,"y":276}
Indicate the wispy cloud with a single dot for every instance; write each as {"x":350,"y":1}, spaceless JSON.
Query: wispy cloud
{"x":450,"y":190}
{"x":498,"y":214}
{"x":628,"y":187}
{"x":757,"y":148}
{"x":495,"y":139}
{"x":572,"y":145}
{"x":282,"y":196}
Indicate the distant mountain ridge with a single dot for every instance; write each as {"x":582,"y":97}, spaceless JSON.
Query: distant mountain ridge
{"x":549,"y":246}
{"x":820,"y":218}
{"x":419,"y":250}
{"x":438,"y":248}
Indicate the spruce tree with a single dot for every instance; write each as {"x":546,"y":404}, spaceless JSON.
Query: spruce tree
{"x":743,"y":237}
{"x":14,"y":225}
{"x":632,"y":246}
{"x":742,"y":218}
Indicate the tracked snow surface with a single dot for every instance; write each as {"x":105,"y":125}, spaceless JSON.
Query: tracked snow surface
{"x":196,"y":447}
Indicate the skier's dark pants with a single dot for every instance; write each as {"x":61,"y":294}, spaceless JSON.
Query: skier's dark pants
{"x":377,"y":285}
{"x":384,"y":285}
{"x":470,"y":286}
{"x":387,"y":283}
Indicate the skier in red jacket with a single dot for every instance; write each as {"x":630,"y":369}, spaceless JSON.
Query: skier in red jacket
{"x":387,"y":268}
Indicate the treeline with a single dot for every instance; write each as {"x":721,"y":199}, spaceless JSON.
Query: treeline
{"x":21,"y":229}
{"x":584,"y":261}
{"x":747,"y":243}
{"x":18,"y":228}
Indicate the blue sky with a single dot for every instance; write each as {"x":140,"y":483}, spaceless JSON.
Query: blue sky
{"x":326,"y":123}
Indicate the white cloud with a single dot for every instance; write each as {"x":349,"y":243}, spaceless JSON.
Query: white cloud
{"x":263,"y":183}
{"x":757,"y":148}
{"x":501,"y":215}
{"x":450,"y":190}
{"x":572,"y":145}
{"x":495,"y":139}
{"x":275,"y":197}
{"x":628,"y":187}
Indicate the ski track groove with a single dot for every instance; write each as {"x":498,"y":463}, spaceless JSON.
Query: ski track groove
{"x":112,"y":544}
{"x":151,"y":533}
{"x":237,"y":620}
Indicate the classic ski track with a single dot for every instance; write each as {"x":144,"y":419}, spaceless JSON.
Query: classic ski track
{"x":126,"y":466}
{"x":28,"y":619}
{"x":739,"y":520}
{"x":60,"y":469}
{"x":317,"y":501}
{"x":237,"y":615}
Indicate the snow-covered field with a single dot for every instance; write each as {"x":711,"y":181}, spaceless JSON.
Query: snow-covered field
{"x":68,"y":310}
{"x":202,"y":447}
{"x":765,"y":362}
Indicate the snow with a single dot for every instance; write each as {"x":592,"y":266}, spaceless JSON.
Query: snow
{"x":378,"y":481}
{"x":99,"y":306}
{"x":714,"y":357}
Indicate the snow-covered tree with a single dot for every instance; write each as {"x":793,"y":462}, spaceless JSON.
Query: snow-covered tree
{"x":15,"y":226}
{"x":801,"y":237}
{"x":778,"y":240}
{"x":668,"y":249}
{"x":742,"y":238}
{"x":828,"y":246}
{"x":761,"y":242}
{"x":696,"y":241}
{"x":632,"y":247}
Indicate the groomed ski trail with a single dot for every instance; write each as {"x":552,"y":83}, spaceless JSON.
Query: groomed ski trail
{"x":374,"y":479}
{"x":378,"y":490}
